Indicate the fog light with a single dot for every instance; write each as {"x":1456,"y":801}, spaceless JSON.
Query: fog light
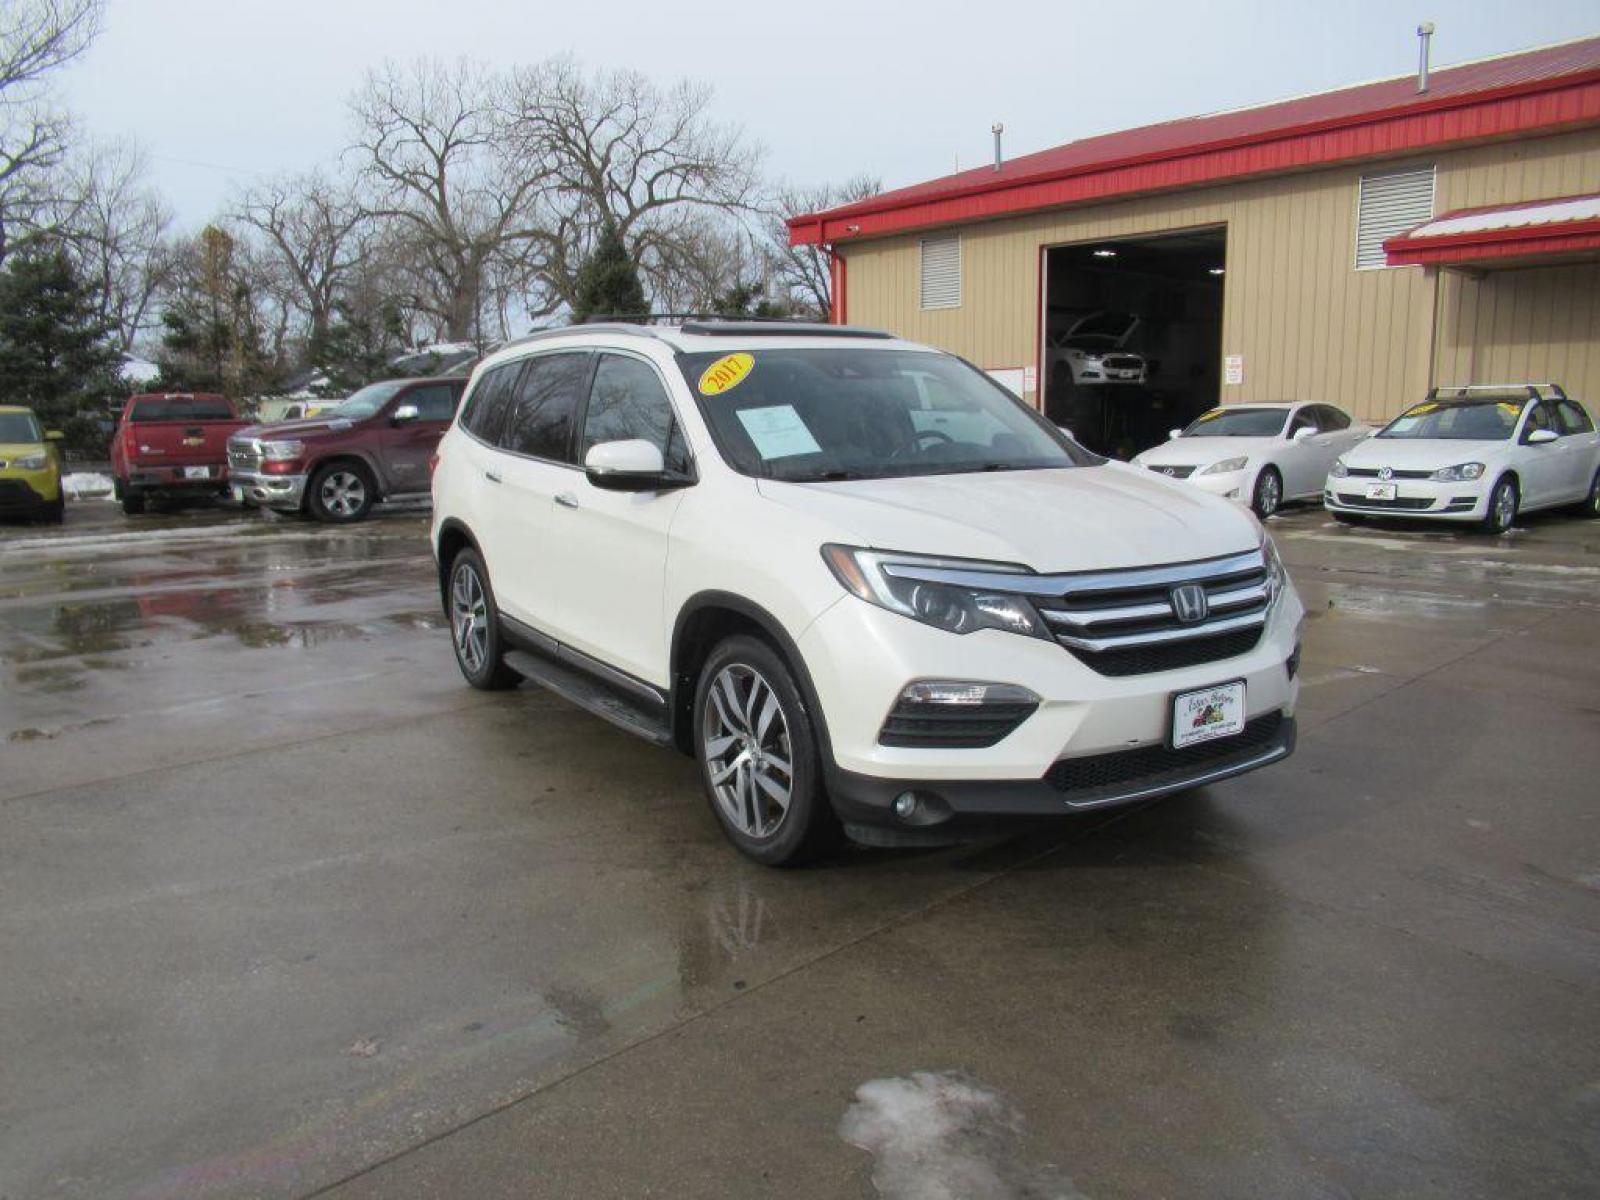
{"x":905,"y":804}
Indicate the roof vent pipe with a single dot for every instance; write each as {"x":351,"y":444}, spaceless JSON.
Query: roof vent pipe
{"x":1425,"y":37}
{"x":997,"y":129}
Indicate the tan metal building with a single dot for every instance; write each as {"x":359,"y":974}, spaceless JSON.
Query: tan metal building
{"x":1353,"y":247}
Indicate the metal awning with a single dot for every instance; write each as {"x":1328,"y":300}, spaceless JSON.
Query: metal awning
{"x":1566,"y":228}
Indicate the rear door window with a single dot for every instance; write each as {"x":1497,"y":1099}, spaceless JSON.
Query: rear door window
{"x":436,"y":402}
{"x":626,"y":401}
{"x":490,"y":401}
{"x":1573,"y":418}
{"x":540,"y":425}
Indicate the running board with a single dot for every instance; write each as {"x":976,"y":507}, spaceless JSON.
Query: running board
{"x":582,"y":689}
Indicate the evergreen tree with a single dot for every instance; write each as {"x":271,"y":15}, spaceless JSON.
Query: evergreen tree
{"x":55,"y":352}
{"x":608,"y":283}
{"x":212,"y":339}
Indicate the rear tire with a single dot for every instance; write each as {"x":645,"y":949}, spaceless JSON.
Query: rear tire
{"x":758,"y":756}
{"x":475,"y":626}
{"x":133,"y":503}
{"x":1503,"y":504}
{"x":1267,"y":497}
{"x":341,"y":492}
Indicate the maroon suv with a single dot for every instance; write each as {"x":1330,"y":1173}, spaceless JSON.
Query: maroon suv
{"x":375,"y":446}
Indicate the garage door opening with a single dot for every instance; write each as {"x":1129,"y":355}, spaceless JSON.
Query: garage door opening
{"x":1133,"y":336}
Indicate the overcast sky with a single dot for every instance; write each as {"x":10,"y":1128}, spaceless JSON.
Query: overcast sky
{"x":222,"y":92}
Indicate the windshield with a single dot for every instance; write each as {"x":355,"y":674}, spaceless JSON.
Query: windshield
{"x":1480,"y":419}
{"x":1239,"y":422}
{"x":809,"y":415}
{"x":367,"y":401}
{"x":18,"y":427}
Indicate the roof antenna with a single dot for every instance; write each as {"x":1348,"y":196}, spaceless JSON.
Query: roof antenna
{"x":1425,"y":37}
{"x":997,"y":129}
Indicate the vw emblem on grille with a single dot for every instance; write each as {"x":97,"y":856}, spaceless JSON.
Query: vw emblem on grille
{"x":1189,"y":603}
{"x":1385,"y":472}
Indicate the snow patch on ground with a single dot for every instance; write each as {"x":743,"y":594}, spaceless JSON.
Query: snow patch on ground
{"x":943,"y":1136}
{"x":80,"y":485}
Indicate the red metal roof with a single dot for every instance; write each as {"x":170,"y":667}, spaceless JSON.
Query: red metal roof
{"x":1538,"y":90}
{"x":1567,"y":225}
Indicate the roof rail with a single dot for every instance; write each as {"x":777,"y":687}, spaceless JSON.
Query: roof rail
{"x":668,"y":318}
{"x":1536,"y":391}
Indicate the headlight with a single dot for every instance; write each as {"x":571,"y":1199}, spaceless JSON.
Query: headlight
{"x":869,"y":575}
{"x":1277,"y":577}
{"x":282,"y":451}
{"x":32,"y":462}
{"x":1339,"y":470}
{"x":1226,"y":465}
{"x":1458,"y":473}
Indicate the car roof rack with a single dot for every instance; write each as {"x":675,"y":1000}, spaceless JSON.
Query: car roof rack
{"x":718,"y":325}
{"x":1536,"y":391}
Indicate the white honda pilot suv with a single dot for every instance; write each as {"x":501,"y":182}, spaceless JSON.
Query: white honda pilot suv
{"x":863,"y":585}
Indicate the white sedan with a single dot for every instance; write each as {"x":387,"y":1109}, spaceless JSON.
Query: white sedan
{"x":1258,"y":454}
{"x":1479,"y":454}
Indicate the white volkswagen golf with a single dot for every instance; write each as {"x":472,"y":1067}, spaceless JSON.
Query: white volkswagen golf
{"x":1263,"y":455}
{"x":1478,"y":454}
{"x":865,"y":586}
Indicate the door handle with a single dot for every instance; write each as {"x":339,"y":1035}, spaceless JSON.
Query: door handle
{"x":492,"y":476}
{"x":566,"y":500}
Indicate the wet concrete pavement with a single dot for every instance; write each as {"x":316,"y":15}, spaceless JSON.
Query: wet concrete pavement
{"x":285,"y":909}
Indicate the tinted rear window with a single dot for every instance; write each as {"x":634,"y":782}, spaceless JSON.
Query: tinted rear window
{"x":181,"y":408}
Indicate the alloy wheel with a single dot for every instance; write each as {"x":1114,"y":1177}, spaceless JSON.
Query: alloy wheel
{"x":1269,"y":493}
{"x":1505,"y":506}
{"x":343,"y":493}
{"x":469,"y":618}
{"x":747,"y":752}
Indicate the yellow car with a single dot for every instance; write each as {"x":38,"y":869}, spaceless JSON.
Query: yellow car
{"x":30,"y":467}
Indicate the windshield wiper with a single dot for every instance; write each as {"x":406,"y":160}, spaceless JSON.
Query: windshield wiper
{"x":834,"y":476}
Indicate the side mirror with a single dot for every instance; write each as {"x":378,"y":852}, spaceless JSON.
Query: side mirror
{"x":53,"y":435}
{"x":1541,"y":437}
{"x":1301,"y":434}
{"x":1174,"y":434}
{"x":406,"y":412}
{"x":634,"y":465}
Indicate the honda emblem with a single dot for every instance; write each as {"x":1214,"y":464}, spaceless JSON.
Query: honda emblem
{"x":1189,"y":603}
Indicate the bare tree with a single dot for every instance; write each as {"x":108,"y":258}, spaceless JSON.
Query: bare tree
{"x":434,"y":149}
{"x":805,"y":272}
{"x":36,"y":37}
{"x":119,"y":235}
{"x":614,"y":146}
{"x":312,"y":226}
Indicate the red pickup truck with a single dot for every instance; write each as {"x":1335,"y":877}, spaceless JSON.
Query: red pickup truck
{"x":172,"y":444}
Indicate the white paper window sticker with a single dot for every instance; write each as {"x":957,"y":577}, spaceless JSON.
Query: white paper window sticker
{"x":1406,"y":424}
{"x":778,"y":431}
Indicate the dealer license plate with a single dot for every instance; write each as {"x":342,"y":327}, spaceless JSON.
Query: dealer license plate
{"x":197,"y":472}
{"x":1380,"y":491}
{"x":1211,"y":713}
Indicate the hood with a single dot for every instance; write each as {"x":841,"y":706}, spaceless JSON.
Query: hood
{"x":1200,"y":451}
{"x":1422,"y":454}
{"x":18,"y":449}
{"x":1100,"y":330}
{"x":306,"y":427}
{"x":1075,"y":519}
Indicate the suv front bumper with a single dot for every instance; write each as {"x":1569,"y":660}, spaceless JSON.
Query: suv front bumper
{"x":284,"y":492}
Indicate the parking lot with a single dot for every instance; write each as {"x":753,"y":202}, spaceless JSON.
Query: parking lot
{"x":287,"y":910}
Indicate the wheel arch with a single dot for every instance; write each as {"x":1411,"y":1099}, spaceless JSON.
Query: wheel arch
{"x":453,"y":537}
{"x":354,"y":457}
{"x":703,"y":621}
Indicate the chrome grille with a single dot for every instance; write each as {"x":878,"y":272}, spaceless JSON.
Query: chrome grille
{"x":244,"y":455}
{"x":1127,"y":623}
{"x":1122,"y":362}
{"x":1171,"y":472}
{"x":1375,"y":473}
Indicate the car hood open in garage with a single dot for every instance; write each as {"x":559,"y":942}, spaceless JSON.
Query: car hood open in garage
{"x":1050,"y":520}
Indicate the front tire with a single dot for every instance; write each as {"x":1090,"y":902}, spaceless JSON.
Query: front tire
{"x":758,"y":755}
{"x":56,"y":512}
{"x":1503,"y":501}
{"x":1267,"y":498}
{"x":475,"y":626}
{"x":1591,"y":505}
{"x":340,"y":493}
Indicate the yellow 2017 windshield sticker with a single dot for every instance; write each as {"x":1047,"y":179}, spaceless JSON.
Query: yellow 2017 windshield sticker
{"x":727,"y":373}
